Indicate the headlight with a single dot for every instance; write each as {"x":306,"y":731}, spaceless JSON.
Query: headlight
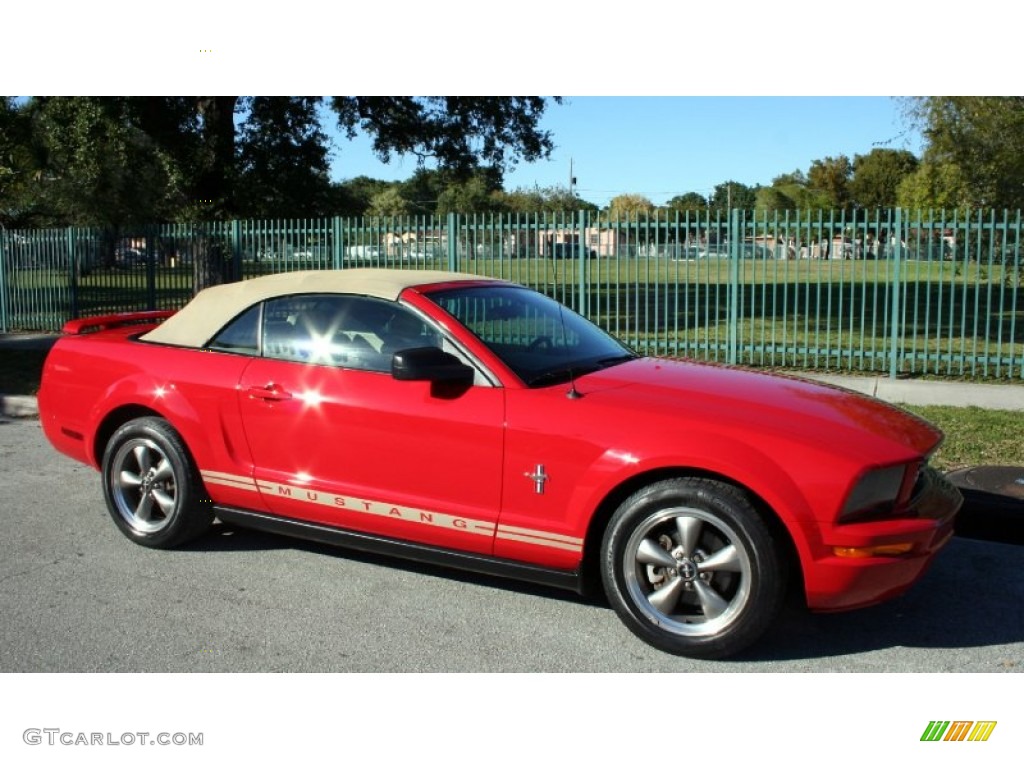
{"x":878,"y":492}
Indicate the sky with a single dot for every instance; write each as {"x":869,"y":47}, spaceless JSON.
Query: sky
{"x":663,"y":146}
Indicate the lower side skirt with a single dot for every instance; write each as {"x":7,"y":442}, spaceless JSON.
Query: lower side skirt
{"x":323,"y":534}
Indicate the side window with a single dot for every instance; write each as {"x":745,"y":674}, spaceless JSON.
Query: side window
{"x":301,"y":329}
{"x":240,"y":335}
{"x":344,"y":331}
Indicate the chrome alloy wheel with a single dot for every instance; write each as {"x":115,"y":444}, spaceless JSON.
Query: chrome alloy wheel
{"x":144,"y":488}
{"x":687,"y":571}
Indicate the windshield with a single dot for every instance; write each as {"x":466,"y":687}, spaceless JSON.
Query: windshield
{"x":542,"y":341}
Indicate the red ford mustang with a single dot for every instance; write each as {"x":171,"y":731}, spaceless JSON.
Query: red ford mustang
{"x":473,"y":422}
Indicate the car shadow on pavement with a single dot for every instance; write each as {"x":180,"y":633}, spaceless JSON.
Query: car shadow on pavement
{"x":972,"y":596}
{"x":953,"y":606}
{"x":225,"y":537}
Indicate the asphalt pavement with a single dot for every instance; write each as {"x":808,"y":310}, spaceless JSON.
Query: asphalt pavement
{"x":77,"y":596}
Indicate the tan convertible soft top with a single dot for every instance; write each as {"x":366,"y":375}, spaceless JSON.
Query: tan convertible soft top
{"x":197,"y":322}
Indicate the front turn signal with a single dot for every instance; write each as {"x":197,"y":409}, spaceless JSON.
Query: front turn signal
{"x":882,"y":550}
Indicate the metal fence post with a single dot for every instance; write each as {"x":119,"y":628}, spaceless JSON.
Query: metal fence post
{"x":733,"y":292}
{"x":453,"y":242}
{"x":72,"y":272}
{"x":897,"y":259}
{"x":582,"y":252}
{"x":150,"y":254}
{"x":336,"y":243}
{"x":236,"y":249}
{"x":3,"y":278}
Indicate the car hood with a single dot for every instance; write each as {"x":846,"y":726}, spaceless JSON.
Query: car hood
{"x":762,"y":401}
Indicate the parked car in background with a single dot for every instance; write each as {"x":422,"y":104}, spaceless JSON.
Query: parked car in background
{"x":475,"y":423}
{"x":129,"y":258}
{"x":364,"y":252}
{"x":570,"y":251}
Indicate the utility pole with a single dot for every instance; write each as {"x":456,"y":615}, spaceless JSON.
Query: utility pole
{"x":572,"y":180}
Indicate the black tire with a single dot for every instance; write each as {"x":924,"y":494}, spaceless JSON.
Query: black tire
{"x":151,"y":485}
{"x":691,"y":568}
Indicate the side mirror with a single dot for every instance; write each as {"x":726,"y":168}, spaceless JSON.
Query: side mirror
{"x":430,"y":364}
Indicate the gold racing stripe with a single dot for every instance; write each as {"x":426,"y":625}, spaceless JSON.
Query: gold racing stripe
{"x":540,"y":538}
{"x":231,"y":481}
{"x":308,"y":495}
{"x":378,"y":508}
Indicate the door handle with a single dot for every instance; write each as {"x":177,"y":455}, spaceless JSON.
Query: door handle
{"x":270,"y":392}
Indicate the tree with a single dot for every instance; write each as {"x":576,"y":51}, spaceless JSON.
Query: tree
{"x":689,"y":202}
{"x":474,"y":195}
{"x":934,"y":185}
{"x":793,"y":178}
{"x":561,"y":199}
{"x":788,"y":192}
{"x":440,"y":191}
{"x":459,"y":133}
{"x":983,"y":137}
{"x":424,"y":188}
{"x":772,"y":199}
{"x":878,"y":175}
{"x":15,"y":166}
{"x":83,"y":161}
{"x":829,"y":180}
{"x":522,"y":200}
{"x":125,"y":159}
{"x":356,"y":194}
{"x":629,"y":206}
{"x":282,"y":160}
{"x":553,"y":199}
{"x":388,"y":202}
{"x":733,"y":194}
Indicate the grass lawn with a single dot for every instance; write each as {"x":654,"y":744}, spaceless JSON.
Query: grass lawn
{"x":975,"y":436}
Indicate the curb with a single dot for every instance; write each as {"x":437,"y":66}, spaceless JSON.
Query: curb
{"x":1001,"y":397}
{"x":19,"y":406}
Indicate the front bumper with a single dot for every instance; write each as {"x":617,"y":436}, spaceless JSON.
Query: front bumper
{"x":838,"y":582}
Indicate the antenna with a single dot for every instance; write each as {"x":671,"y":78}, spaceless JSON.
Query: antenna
{"x":573,"y":393}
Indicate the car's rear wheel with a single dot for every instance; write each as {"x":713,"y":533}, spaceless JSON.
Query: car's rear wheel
{"x":152,"y":487}
{"x":691,"y":567}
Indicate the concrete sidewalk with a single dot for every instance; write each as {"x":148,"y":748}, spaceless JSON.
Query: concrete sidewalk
{"x":1007,"y":397}
{"x":1002,"y":397}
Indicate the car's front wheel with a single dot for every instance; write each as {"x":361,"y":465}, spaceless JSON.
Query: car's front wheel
{"x":691,"y":567}
{"x":152,"y":487}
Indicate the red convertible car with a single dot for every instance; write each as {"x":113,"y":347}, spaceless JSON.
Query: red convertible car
{"x":473,"y":422}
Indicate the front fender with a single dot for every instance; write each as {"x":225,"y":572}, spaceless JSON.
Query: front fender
{"x":786,"y":493}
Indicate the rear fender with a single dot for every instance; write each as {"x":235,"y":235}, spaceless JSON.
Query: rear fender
{"x":208,"y":419}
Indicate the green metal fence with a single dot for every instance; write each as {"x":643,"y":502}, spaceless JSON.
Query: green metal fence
{"x":884,"y":291}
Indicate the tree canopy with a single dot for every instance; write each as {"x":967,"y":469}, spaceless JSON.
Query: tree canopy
{"x":980,"y":139}
{"x":630,"y":206}
{"x":877,"y":176}
{"x":123,"y":160}
{"x":117,"y":162}
{"x":690,"y":202}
